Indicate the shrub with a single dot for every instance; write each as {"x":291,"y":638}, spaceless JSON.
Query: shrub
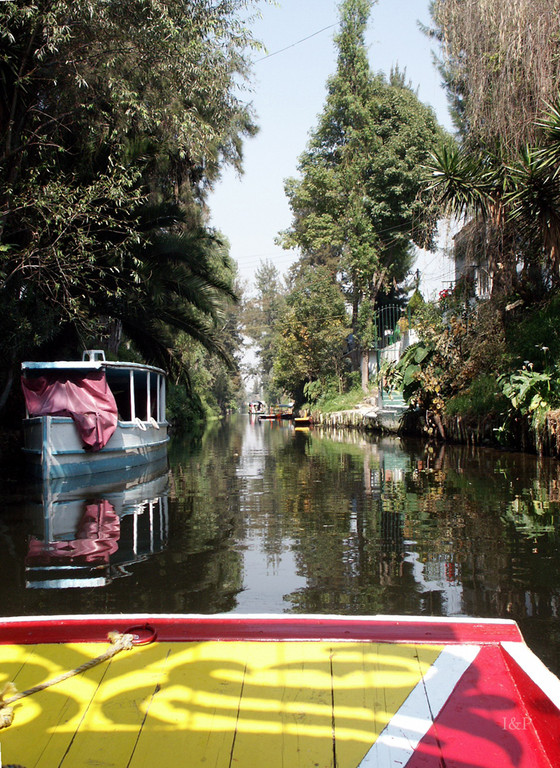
{"x":482,"y":398}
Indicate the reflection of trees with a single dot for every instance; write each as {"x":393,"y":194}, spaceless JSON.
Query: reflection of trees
{"x":203,"y":515}
{"x":375,"y":525}
{"x":349,"y":543}
{"x":495,"y":515}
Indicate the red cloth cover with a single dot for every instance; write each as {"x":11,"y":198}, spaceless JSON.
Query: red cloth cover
{"x":85,"y":397}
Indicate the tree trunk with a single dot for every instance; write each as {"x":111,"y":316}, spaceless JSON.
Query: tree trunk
{"x":365,"y":370}
{"x":115,"y":335}
{"x":7,"y":389}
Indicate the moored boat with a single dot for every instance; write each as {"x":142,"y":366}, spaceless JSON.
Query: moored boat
{"x":286,"y":411}
{"x":94,"y":415}
{"x":280,"y":690}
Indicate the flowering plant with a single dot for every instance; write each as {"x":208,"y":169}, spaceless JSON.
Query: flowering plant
{"x":446,"y":294}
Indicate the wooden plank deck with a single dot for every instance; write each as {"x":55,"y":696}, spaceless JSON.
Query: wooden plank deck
{"x":219,"y":704}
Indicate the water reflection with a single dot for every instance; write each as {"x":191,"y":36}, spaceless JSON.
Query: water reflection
{"x":339,"y":522}
{"x":86,"y":534}
{"x":261,"y":518}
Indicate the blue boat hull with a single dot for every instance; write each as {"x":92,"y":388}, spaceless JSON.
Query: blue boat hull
{"x":53,"y":448}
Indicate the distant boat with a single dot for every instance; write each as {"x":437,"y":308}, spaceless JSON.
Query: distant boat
{"x":280,"y":411}
{"x":286,"y":410}
{"x":276,"y":691}
{"x":303,"y":421}
{"x":94,"y":415}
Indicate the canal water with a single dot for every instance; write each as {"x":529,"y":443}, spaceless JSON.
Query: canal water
{"x":260,"y":517}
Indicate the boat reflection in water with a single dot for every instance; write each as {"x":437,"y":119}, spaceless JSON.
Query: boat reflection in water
{"x":87,"y":535}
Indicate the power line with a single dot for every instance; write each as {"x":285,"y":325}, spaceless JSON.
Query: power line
{"x":293,"y":45}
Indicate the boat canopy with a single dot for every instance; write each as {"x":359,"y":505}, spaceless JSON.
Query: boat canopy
{"x":138,"y":389}
{"x":82,"y":395}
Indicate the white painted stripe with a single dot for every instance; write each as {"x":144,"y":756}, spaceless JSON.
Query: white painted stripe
{"x":402,"y":734}
{"x":537,"y":671}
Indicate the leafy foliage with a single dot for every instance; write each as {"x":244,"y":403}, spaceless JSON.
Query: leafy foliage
{"x":410,"y":373}
{"x":356,"y":206}
{"x":501,"y":68}
{"x":533,"y":394}
{"x":514,"y":201}
{"x":115,"y":120}
{"x":482,"y":399}
{"x":534,"y":338}
{"x":498,"y":357}
{"x":459,"y":343}
{"x":312,"y":333}
{"x":261,"y":314}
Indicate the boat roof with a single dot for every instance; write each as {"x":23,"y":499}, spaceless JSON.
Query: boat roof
{"x":88,"y":365}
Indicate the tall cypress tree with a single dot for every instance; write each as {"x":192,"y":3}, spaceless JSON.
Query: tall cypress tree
{"x":331,"y":222}
{"x":355,"y":206}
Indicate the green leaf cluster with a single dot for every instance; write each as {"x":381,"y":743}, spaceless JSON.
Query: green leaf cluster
{"x":406,"y":373}
{"x":531,"y":393}
{"x":311,"y":333}
{"x":356,"y":205}
{"x":116,"y":120}
{"x":261,"y":314}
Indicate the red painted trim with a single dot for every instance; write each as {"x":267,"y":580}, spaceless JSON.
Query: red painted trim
{"x":485,"y":723}
{"x":543,"y":714}
{"x":265,"y":628}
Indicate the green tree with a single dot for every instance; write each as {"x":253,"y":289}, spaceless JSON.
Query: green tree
{"x":312,"y":334}
{"x":513,"y":201}
{"x":260,"y":314}
{"x":356,"y":206}
{"x":117,"y":80}
{"x":115,"y":119}
{"x":214,"y":387}
{"x":329,"y":203}
{"x":501,"y":67}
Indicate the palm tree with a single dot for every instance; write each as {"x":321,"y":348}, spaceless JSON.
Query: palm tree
{"x":180,"y":290}
{"x":475,"y":185}
{"x":179,"y":279}
{"x":534,"y":205}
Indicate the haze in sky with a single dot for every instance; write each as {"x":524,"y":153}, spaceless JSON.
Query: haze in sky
{"x":289,"y":92}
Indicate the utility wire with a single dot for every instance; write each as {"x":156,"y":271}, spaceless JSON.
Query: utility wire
{"x":293,"y":45}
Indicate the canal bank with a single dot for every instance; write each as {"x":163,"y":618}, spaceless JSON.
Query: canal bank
{"x":491,"y":429}
{"x":369,"y":415}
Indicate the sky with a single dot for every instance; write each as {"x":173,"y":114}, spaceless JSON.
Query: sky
{"x":288,"y":91}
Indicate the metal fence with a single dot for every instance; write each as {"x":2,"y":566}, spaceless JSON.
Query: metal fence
{"x":388,"y":324}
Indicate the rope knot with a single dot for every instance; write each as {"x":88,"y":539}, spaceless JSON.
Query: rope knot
{"x":6,"y":711}
{"x":121,"y":640}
